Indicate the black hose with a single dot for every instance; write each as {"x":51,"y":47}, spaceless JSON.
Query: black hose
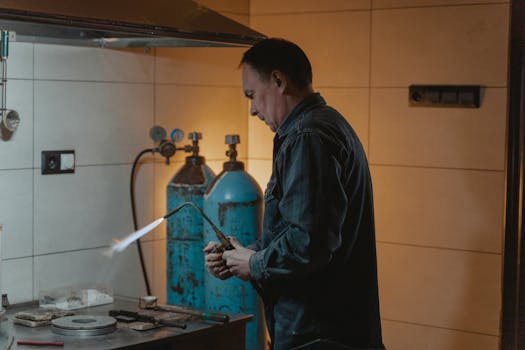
{"x":134,"y":214}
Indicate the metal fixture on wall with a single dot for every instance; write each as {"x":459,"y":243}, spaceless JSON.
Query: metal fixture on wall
{"x":10,"y":118}
{"x":465,"y":96}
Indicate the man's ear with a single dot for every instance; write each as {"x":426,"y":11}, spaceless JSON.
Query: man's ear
{"x":278,"y":79}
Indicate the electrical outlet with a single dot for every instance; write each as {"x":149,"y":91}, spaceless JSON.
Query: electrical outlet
{"x":58,"y":162}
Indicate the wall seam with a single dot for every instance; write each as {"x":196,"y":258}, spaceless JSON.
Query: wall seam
{"x":35,"y":170}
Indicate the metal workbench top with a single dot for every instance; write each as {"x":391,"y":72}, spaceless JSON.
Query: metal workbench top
{"x":199,"y":334}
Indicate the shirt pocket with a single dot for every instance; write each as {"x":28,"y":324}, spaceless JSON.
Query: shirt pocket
{"x":272,"y":216}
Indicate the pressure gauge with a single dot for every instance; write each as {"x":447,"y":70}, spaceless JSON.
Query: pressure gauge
{"x":177,"y":135}
{"x":157,"y":133}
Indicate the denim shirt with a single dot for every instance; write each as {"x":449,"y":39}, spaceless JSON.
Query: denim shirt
{"x":315,"y":263}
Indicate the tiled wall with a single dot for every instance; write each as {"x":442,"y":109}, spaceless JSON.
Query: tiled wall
{"x":438,"y":172}
{"x":98,"y":103}
{"x":102,"y":103}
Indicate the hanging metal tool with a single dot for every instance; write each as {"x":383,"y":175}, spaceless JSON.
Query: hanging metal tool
{"x":10,"y":118}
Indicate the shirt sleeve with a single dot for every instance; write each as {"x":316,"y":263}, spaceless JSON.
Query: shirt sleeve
{"x":313,"y":207}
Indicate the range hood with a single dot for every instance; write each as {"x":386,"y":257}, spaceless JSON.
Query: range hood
{"x":122,"y":23}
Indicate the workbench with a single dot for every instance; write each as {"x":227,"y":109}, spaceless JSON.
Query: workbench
{"x":198,"y":335}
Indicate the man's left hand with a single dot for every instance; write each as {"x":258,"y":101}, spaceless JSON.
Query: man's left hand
{"x":238,"y":259}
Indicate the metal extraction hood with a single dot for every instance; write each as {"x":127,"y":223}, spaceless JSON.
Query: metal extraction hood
{"x":122,"y":23}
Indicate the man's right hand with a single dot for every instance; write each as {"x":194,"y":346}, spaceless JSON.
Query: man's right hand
{"x":214,"y":262}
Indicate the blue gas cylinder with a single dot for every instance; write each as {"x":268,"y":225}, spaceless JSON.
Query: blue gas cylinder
{"x":234,"y":203}
{"x":185,"y":269}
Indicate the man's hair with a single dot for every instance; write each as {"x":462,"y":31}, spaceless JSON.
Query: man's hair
{"x":282,"y":55}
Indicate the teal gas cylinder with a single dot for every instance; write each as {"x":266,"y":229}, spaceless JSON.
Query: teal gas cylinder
{"x":185,"y":258}
{"x":234,"y":203}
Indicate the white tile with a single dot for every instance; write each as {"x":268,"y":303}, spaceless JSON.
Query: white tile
{"x":381,"y":4}
{"x":458,"y":209}
{"x":16,"y":213}
{"x":200,"y":66}
{"x":93,"y":64}
{"x":337,"y":44}
{"x":472,"y":138}
{"x":276,"y":6}
{"x":105,"y":123}
{"x":443,"y":288}
{"x":88,"y":208}
{"x":406,"y":336}
{"x":440,"y":45}
{"x":16,"y":149}
{"x":17,"y":279}
{"x":163,"y":175}
{"x":213,"y":111}
{"x":155,"y":253}
{"x":20,"y":61}
{"x":90,"y":268}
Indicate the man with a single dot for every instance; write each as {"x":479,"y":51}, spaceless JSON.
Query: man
{"x":315,"y":265}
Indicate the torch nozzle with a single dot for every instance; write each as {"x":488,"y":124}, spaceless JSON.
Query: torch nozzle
{"x":225,"y":243}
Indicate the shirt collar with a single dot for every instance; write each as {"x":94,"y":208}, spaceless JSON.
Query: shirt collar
{"x":309,"y":101}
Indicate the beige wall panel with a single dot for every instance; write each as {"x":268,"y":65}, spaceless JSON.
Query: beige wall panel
{"x":353,"y":104}
{"x":237,"y":10}
{"x":336,"y":43}
{"x":199,"y":66}
{"x":227,"y":6}
{"x":440,"y":45}
{"x":261,"y":171}
{"x":243,"y":19}
{"x":406,"y":336}
{"x":456,"y":209}
{"x":438,"y":137}
{"x":380,"y":4}
{"x":278,"y":6}
{"x":213,"y":111}
{"x":438,"y":287}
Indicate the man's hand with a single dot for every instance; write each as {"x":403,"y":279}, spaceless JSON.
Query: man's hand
{"x":214,"y":262}
{"x":238,"y":259}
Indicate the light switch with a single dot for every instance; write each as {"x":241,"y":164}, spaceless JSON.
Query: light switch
{"x":67,"y":161}
{"x":464,"y":96}
{"x":58,"y":162}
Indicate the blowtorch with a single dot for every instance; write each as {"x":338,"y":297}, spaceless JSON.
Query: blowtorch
{"x":120,"y":245}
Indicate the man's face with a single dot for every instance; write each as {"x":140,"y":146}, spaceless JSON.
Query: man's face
{"x":266,"y":99}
